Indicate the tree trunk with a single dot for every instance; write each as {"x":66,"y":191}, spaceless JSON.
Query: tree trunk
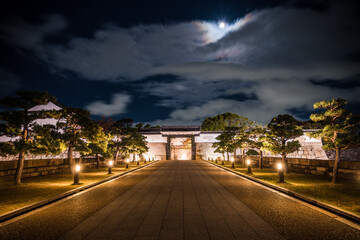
{"x":70,"y":158}
{"x":116,"y":155}
{"x":20,"y":165}
{"x":242,"y":156}
{"x":19,"y":168}
{"x":234,"y":154}
{"x":228,"y":156}
{"x":336,"y":166}
{"x":285,"y":163}
{"x":97,"y":161}
{"x":260,"y":159}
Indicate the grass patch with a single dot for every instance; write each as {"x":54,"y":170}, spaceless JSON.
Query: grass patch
{"x":35,"y":189}
{"x":345,"y":195}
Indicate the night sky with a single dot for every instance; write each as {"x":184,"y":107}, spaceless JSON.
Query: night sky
{"x":170,"y":63}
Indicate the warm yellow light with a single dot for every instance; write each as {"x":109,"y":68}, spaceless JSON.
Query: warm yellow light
{"x":127,"y":160}
{"x":77,"y":168}
{"x":232,"y":159}
{"x":279,"y":166}
{"x":248,"y":162}
{"x":111,"y":162}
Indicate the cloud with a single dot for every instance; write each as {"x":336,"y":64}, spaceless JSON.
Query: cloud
{"x":117,"y":105}
{"x":30,"y":36}
{"x":276,"y":43}
{"x":272,"y":57}
{"x":186,"y":91}
{"x":274,"y":97}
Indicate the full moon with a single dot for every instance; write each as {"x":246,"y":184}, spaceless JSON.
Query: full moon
{"x":221,"y":25}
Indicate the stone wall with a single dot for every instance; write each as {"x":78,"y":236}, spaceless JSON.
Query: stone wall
{"x":347,"y":169}
{"x":39,"y":167}
{"x":63,"y":155}
{"x":311,"y":148}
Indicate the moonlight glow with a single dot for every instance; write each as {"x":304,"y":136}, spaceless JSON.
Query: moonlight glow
{"x":221,"y":25}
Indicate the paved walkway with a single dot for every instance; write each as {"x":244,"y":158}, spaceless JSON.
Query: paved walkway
{"x":177,"y":200}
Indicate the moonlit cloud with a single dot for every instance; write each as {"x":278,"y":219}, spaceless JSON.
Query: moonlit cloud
{"x":117,"y":105}
{"x":269,"y":57}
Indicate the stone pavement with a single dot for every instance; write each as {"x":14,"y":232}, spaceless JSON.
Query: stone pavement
{"x":178,"y":200}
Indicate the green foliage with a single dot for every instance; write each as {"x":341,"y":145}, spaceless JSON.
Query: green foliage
{"x":252,"y":152}
{"x":225,"y":142}
{"x":118,"y":131}
{"x":48,"y":140}
{"x":255,"y":135}
{"x":310,"y":125}
{"x":76,"y":128}
{"x":221,"y":121}
{"x":19,"y":124}
{"x":133,"y":142}
{"x":281,"y":132}
{"x":97,"y":143}
{"x":340,"y":127}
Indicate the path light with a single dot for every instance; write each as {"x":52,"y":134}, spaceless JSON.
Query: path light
{"x":110,"y":163}
{"x":281,"y":172}
{"x":248,"y":163}
{"x":222,"y":160}
{"x":127,"y":163}
{"x":137,"y":161}
{"x":77,"y":174}
{"x":232,"y":163}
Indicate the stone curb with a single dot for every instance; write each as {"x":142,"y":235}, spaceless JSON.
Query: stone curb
{"x":18,"y":212}
{"x":333,"y":209}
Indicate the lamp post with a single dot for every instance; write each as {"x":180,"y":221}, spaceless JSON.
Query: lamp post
{"x":232,"y":163}
{"x":127,"y":163}
{"x":248,"y":163}
{"x":281,"y":172}
{"x":110,"y":163}
{"x":77,"y":174}
{"x":222,"y":160}
{"x":216,"y":159}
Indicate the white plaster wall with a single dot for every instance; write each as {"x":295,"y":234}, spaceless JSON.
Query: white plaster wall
{"x":156,"y":150}
{"x":155,"y":138}
{"x":206,"y":138}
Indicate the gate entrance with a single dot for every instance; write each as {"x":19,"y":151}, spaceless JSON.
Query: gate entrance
{"x":180,"y":148}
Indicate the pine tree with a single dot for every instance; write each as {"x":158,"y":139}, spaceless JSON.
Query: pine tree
{"x":254,"y":141}
{"x":340,"y":131}
{"x":75,"y":127}
{"x":20,"y":125}
{"x":279,"y":139}
{"x":134,"y":143}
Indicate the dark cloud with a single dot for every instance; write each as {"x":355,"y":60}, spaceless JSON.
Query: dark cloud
{"x":9,"y":83}
{"x":271,"y":61}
